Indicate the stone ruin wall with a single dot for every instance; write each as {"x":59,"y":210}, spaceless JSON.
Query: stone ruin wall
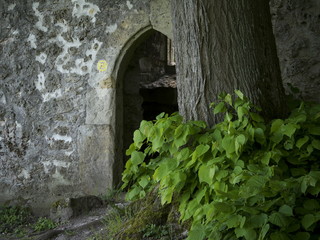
{"x":58,"y":128}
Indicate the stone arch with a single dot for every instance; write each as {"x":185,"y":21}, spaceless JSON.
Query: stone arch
{"x":120,"y":67}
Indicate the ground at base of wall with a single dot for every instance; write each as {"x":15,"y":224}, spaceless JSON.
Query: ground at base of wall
{"x":114,"y":221}
{"x":78,"y":228}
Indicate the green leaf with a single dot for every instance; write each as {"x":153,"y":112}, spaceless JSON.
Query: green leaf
{"x":200,"y":150}
{"x":178,"y":180}
{"x":302,"y":141}
{"x":144,"y":181}
{"x":166,"y":195}
{"x":279,"y":236}
{"x":259,"y":135}
{"x":206,"y":174}
{"x":241,"y":139}
{"x":278,"y":219}
{"x":165,"y":167}
{"x":234,"y":221}
{"x":228,"y":144}
{"x":289,"y":129}
{"x":311,"y":204}
{"x":256,"y":117}
{"x":200,"y":194}
{"x":302,"y":236}
{"x":184,"y":154}
{"x":142,"y":194}
{"x":314,"y":130}
{"x":257,"y":181}
{"x":138,"y":136}
{"x":219,"y":108}
{"x":256,"y":221}
{"x":179,"y":130}
{"x":145,"y":127}
{"x":286,"y":210}
{"x":221,"y":174}
{"x":316,"y":144}
{"x":137,"y":157}
{"x":264,"y":231}
{"x":297,"y":172}
{"x":276,"y":125}
{"x":241,"y":111}
{"x":224,"y":207}
{"x":247,"y":233}
{"x":308,"y":220}
{"x":131,"y":149}
{"x":228,"y":99}
{"x":266,"y":158}
{"x":161,"y":115}
{"x":239,"y":94}
{"x":133,"y":193}
{"x":288,"y":145}
{"x":197,"y":232}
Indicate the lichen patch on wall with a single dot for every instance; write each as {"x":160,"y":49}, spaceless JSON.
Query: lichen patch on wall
{"x":40,"y":82}
{"x":32,"y":40}
{"x":11,"y":6}
{"x":111,"y":28}
{"x":41,"y":58}
{"x":40,"y":16}
{"x":51,"y":95}
{"x":129,"y":5}
{"x":83,"y":8}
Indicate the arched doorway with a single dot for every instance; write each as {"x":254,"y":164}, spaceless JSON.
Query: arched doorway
{"x":146,"y":85}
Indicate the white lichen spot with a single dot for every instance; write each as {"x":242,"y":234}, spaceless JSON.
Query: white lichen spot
{"x":83,"y":8}
{"x":58,"y":163}
{"x":40,"y":16}
{"x":3,"y":99}
{"x":14,"y":32}
{"x":111,"y":28}
{"x":51,"y":95}
{"x":64,"y":57}
{"x":65,"y":62}
{"x":11,"y":6}
{"x":40,"y":82}
{"x":63,"y":26}
{"x":55,"y":163}
{"x":58,"y":137}
{"x":68,"y":153}
{"x":129,"y":5}
{"x":41,"y":58}
{"x":83,"y":67}
{"x":24,"y":174}
{"x":18,"y":130}
{"x":32,"y":40}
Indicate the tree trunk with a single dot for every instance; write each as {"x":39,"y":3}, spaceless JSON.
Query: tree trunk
{"x":222,"y":45}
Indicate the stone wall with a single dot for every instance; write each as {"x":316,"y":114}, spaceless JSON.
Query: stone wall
{"x":57,"y":110}
{"x":297,"y":32}
{"x":61,"y":117}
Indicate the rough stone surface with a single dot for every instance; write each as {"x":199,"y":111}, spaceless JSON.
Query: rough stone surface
{"x":57,"y":110}
{"x":297,"y":32}
{"x":59,"y":130}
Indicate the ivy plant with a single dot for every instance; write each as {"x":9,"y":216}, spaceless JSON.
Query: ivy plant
{"x":243,"y":178}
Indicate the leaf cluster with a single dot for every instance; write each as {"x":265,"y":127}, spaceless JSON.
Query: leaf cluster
{"x":244,"y":178}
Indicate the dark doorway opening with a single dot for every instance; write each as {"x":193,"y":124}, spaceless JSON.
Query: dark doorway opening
{"x":149,"y":84}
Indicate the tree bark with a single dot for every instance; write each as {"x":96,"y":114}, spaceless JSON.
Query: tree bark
{"x":223,"y":45}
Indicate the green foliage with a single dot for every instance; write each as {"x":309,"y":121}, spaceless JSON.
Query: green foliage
{"x":155,"y":231}
{"x":44,"y":224}
{"x":241,"y":179}
{"x":12,"y":218}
